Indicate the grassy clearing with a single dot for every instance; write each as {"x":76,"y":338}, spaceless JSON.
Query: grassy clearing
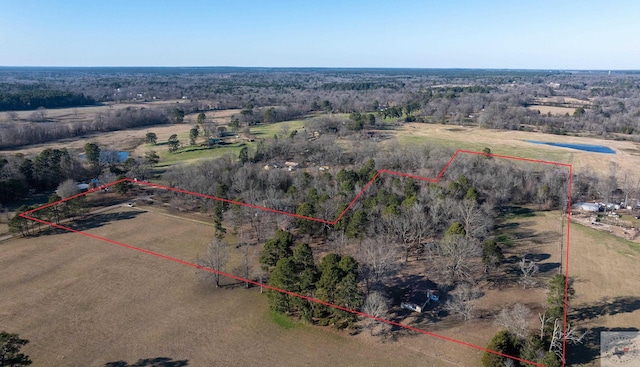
{"x":620,"y":245}
{"x":194,"y":153}
{"x":88,"y":303}
{"x":190,"y":154}
{"x":605,"y":270}
{"x":283,"y":320}
{"x":515,"y":143}
{"x":506,"y":147}
{"x":269,"y":130}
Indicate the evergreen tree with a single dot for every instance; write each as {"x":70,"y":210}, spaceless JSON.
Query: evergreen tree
{"x":173,"y":143}
{"x":243,"y":156}
{"x":151,"y":138}
{"x":279,"y":247}
{"x":10,"y":345}
{"x":194,"y":132}
{"x":502,"y":342}
{"x":555,"y":297}
{"x":307,"y":276}
{"x":357,"y":224}
{"x":305,"y":226}
{"x":492,"y":255}
{"x":92,"y":152}
{"x":283,"y":277}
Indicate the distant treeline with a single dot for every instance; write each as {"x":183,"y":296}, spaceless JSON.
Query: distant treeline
{"x":33,"y":99}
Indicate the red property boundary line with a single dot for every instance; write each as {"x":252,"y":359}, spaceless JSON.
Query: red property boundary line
{"x":27,"y":215}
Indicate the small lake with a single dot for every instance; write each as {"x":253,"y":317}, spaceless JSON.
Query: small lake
{"x":584,"y":147}
{"x":107,"y":156}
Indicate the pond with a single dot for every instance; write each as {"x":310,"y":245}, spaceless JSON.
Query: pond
{"x":108,"y":156}
{"x":583,"y":147}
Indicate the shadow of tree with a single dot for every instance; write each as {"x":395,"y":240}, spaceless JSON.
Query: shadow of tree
{"x":589,"y":350}
{"x":606,"y":307}
{"x":150,"y":362}
{"x":99,"y":220}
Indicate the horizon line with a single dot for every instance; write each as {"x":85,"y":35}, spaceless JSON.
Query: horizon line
{"x":312,"y":67}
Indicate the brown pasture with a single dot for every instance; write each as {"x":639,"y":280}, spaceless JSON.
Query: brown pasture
{"x":84,"y":302}
{"x":558,"y":111}
{"x":514,"y":143}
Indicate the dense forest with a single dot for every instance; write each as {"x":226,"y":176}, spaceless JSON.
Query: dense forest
{"x":34,"y":99}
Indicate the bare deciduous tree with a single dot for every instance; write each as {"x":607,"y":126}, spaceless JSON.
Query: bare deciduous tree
{"x":572,"y":336}
{"x":515,"y":320}
{"x":215,"y":259}
{"x":376,"y":305}
{"x":461,"y":302}
{"x":456,"y":255}
{"x":67,"y":188}
{"x":528,"y":270}
{"x":379,"y":258}
{"x":476,"y":220}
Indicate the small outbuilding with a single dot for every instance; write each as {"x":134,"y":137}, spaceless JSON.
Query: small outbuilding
{"x":420,"y":296}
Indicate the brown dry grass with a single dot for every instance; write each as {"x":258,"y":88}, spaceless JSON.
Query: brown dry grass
{"x":84,"y":302}
{"x":514,"y":143}
{"x":123,"y":140}
{"x":605,"y":269}
{"x":561,"y":99}
{"x":558,"y":111}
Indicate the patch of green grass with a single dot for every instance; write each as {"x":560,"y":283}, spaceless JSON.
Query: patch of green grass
{"x":607,"y":239}
{"x":517,"y":212}
{"x":532,"y":152}
{"x":269,"y":130}
{"x":283,"y":320}
{"x":194,"y":153}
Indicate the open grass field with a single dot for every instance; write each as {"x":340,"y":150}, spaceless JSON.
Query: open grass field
{"x":558,"y":111}
{"x":514,"y":143}
{"x":83,"y":302}
{"x":191,"y":154}
{"x":605,"y":269}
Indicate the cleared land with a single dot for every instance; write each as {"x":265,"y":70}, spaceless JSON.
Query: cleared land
{"x":83,"y":302}
{"x":605,"y":269}
{"x":558,"y":111}
{"x":514,"y":143}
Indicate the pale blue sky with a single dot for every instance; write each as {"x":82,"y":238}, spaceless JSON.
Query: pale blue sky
{"x":531,"y":34}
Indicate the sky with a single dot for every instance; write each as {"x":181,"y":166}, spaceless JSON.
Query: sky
{"x":511,"y":34}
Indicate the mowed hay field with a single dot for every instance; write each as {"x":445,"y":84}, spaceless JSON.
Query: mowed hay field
{"x":558,"y":111}
{"x":606,"y":270}
{"x":514,"y":143}
{"x":85,"y":302}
